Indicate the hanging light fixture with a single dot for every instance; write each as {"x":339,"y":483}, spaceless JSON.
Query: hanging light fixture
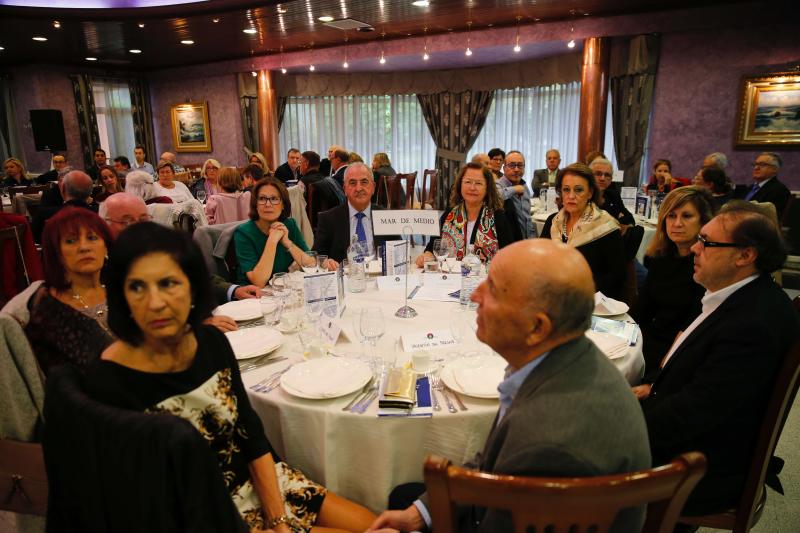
{"x":468,"y":52}
{"x":345,"y":64}
{"x":571,"y":43}
{"x":283,"y":69}
{"x":425,"y":55}
{"x":382,"y":60}
{"x":517,"y":48}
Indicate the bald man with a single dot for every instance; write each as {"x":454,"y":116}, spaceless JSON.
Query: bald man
{"x":123,"y":209}
{"x":565,"y":410}
{"x":172,"y":158}
{"x":76,"y":189}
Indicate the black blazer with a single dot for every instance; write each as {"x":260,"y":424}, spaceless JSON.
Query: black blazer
{"x":773,"y":191}
{"x":284,"y":173}
{"x":332,"y":234}
{"x":339,"y":175}
{"x":612,"y":204}
{"x":606,"y":258}
{"x":711,"y":394}
{"x":505,"y":235}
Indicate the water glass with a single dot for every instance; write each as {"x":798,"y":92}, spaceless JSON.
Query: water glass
{"x":311,"y":340}
{"x":309,"y":262}
{"x":271,"y":308}
{"x":321,"y":260}
{"x":201,"y":196}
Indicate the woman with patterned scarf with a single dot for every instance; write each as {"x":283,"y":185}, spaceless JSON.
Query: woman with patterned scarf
{"x":475,"y":218}
{"x":590,"y":229}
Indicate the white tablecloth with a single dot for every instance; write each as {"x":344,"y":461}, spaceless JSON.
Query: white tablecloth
{"x":649,"y":232}
{"x":363,"y":457}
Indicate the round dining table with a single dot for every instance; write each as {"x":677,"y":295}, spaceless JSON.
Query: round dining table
{"x":363,"y":456}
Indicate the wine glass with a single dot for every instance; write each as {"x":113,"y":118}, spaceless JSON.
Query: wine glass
{"x":310,"y":262}
{"x":372,"y":325}
{"x":201,"y":196}
{"x":441,"y":249}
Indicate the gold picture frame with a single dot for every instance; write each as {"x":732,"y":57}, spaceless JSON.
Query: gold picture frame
{"x":191,"y":131}
{"x":769,"y":114}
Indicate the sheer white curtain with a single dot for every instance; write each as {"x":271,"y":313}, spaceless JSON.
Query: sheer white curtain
{"x":112,"y":101}
{"x":533,"y":120}
{"x":363,"y":124}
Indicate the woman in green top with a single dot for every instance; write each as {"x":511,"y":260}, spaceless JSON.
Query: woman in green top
{"x":270,"y":241}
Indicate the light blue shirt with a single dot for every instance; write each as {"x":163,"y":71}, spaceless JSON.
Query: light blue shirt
{"x":522,"y":205}
{"x":147,"y":167}
{"x":508,"y":389}
{"x":366,"y":221}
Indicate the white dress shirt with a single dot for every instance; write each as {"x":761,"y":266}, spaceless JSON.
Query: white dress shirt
{"x":711,"y":301}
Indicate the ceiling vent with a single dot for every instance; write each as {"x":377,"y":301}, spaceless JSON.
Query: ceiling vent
{"x":349,"y":24}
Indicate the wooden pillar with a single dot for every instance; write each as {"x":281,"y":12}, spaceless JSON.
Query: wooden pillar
{"x":594,"y":96}
{"x":268,"y":119}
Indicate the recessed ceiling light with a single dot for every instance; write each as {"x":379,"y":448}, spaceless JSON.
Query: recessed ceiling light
{"x":56,"y":24}
{"x":141,"y":24}
{"x":250,"y":31}
{"x":421,"y":3}
{"x":135,"y":51}
{"x":187,"y":41}
{"x":215,"y":20}
{"x":91,"y":59}
{"x":325,"y":18}
{"x":40,"y":39}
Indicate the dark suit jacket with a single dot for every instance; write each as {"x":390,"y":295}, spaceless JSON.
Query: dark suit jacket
{"x":325,"y":167}
{"x":219,"y":287}
{"x":773,"y":191}
{"x":573,"y":416}
{"x":339,"y":175}
{"x":51,"y":197}
{"x":332,"y":234}
{"x":284,"y":173}
{"x":540,"y":179}
{"x":711,"y":394}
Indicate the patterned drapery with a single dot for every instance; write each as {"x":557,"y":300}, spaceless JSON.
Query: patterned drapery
{"x":634,"y":62}
{"x":87,"y":118}
{"x":454,"y":120}
{"x":281,"y":110}
{"x":248,"y":107}
{"x":9,"y":140}
{"x":142,"y":117}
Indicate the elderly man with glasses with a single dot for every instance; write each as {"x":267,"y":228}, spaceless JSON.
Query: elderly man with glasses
{"x":516,"y":195}
{"x":714,"y":383}
{"x":767,"y":186}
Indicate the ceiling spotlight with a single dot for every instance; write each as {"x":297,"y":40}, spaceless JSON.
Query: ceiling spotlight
{"x":517,"y":47}
{"x":283,"y":70}
{"x":250,"y":31}
{"x":345,"y":65}
{"x":382,"y":60}
{"x":311,"y":68}
{"x":141,"y":24}
{"x":425,"y":56}
{"x":325,"y":18}
{"x":571,"y":44}
{"x":215,"y":20}
{"x":56,"y":24}
{"x":468,"y":52}
{"x":421,"y":3}
{"x":187,"y":41}
{"x":254,"y":73}
{"x":91,"y":59}
{"x":40,"y":39}
{"x":135,"y":51}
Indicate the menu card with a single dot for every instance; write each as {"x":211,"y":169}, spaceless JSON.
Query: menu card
{"x":395,"y":257}
{"x":426,"y":340}
{"x":322,"y":289}
{"x":626,"y":331}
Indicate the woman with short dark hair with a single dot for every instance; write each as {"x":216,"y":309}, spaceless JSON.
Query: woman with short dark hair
{"x":271,"y":240}
{"x":167,"y":363}
{"x":68,"y":320}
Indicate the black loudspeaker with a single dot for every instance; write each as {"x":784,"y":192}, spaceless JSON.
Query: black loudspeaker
{"x":48,"y":130}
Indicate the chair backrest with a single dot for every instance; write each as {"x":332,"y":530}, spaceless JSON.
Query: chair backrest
{"x":11,"y":241}
{"x":23,"y":478}
{"x":564,"y":504}
{"x":394,"y":186}
{"x":27,"y":189}
{"x":430,"y":188}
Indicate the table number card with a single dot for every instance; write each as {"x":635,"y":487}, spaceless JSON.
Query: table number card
{"x":395,"y":221}
{"x":426,"y":340}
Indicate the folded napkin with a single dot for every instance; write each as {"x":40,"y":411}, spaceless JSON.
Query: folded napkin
{"x":399,"y":389}
{"x":421,"y":409}
{"x":603,"y":305}
{"x":609,"y":344}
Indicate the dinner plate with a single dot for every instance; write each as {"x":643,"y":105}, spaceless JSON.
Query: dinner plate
{"x":328,"y":377}
{"x":240,"y":310}
{"x":605,"y":306}
{"x":253,"y":342}
{"x":476,"y":376}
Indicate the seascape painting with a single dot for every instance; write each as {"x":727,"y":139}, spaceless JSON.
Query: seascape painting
{"x":190,"y":128}
{"x":778,"y":111}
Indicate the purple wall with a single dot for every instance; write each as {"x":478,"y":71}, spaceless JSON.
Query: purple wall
{"x":697,"y":94}
{"x":221,"y":93}
{"x":45,"y":88}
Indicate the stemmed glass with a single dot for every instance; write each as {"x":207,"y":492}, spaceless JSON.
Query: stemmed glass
{"x":201,"y":196}
{"x":372,"y":325}
{"x":310,"y":262}
{"x":441,"y":249}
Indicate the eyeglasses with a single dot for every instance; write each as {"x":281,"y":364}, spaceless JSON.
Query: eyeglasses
{"x":515,"y":165}
{"x":127,"y":221}
{"x":274,"y":200}
{"x":599,"y":174}
{"x":476,"y":184}
{"x":759,"y":164}
{"x":712,"y":244}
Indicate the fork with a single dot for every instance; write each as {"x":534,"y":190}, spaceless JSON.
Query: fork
{"x":432,"y":378}
{"x":270,"y":382}
{"x":438,"y":385}
{"x":263,"y":363}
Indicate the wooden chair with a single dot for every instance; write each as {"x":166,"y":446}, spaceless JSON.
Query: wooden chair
{"x":23,"y":478}
{"x":428,"y":194}
{"x":564,"y":504}
{"x":29,"y":189}
{"x":11,"y":238}
{"x":754,"y":496}
{"x":394,"y":186}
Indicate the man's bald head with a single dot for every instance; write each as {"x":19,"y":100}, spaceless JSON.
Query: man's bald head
{"x":77,"y":185}
{"x":123,"y":209}
{"x":168,"y":156}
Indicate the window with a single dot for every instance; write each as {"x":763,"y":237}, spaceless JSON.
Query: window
{"x":363,"y":124}
{"x":112,"y":103}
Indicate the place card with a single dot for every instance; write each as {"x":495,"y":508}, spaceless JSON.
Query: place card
{"x":427,"y":340}
{"x":400,"y":221}
{"x":330,"y":328}
{"x":439,"y":287}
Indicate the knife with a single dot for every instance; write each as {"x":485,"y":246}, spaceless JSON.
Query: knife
{"x":364,"y":404}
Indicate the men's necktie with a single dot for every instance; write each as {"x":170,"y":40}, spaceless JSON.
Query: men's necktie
{"x":753,"y":191}
{"x":360,"y":233}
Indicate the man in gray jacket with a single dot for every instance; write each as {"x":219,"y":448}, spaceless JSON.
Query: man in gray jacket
{"x":565,"y":410}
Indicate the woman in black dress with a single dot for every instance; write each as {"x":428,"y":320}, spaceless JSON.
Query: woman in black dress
{"x":670,"y":299}
{"x":166,"y":361}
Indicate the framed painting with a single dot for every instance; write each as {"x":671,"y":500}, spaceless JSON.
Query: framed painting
{"x":769,"y":114}
{"x":190,"y":129}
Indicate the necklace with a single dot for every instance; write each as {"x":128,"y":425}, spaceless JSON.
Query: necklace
{"x":100,"y":309}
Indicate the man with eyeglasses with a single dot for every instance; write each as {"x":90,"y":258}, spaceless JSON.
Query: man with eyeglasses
{"x":125,"y":209}
{"x":546,"y":177}
{"x":714,"y":383}
{"x":610,"y":200}
{"x":516,"y":196}
{"x":767,"y":186}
